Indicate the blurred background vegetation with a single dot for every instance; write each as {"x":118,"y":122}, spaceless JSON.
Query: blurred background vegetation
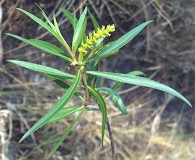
{"x":158,"y":126}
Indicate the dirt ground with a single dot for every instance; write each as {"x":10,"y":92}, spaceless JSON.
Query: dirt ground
{"x":157,"y":127}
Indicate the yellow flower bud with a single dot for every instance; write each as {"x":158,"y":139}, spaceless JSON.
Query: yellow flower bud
{"x":94,"y":36}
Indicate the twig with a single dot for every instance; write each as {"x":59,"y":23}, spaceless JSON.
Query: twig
{"x":1,"y":45}
{"x":114,"y":156}
{"x":148,"y":32}
{"x":13,"y":108}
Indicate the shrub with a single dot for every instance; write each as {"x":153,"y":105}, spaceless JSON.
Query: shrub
{"x":84,"y":54}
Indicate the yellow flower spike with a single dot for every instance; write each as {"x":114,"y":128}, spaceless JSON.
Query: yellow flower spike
{"x":82,"y":50}
{"x":93,"y":38}
{"x":84,"y":45}
{"x":97,"y":36}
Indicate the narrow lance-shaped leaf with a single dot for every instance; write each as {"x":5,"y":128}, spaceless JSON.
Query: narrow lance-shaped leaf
{"x":91,"y":78}
{"x":66,"y":133}
{"x":75,"y":20}
{"x":57,"y":107}
{"x":94,"y":21}
{"x":102,"y":106}
{"x":65,"y":112}
{"x":119,"y":84}
{"x":69,"y":16}
{"x":52,"y":29}
{"x":38,"y":20}
{"x":64,"y":85}
{"x":119,"y":43}
{"x":79,"y":31}
{"x":46,"y":18}
{"x":60,"y":37}
{"x":116,"y":99}
{"x":132,"y":73}
{"x":45,"y":46}
{"x":41,"y":68}
{"x":140,"y":81}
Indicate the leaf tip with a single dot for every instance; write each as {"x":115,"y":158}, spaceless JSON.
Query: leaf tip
{"x":190,"y":104}
{"x":9,"y":60}
{"x":21,"y":140}
{"x":125,"y":112}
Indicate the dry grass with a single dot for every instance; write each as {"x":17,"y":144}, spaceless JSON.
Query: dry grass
{"x":157,"y":126}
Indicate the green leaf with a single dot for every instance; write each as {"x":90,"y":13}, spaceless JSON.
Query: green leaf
{"x":91,"y":78}
{"x":119,"y":84}
{"x":116,"y":99}
{"x":102,"y":56}
{"x":41,"y":68}
{"x":57,"y":107}
{"x":69,"y":16}
{"x":38,"y":20}
{"x":65,"y":112}
{"x":140,"y":81}
{"x":50,"y":48}
{"x":94,"y":21}
{"x":79,"y":31}
{"x":66,"y":134}
{"x":75,"y":20}
{"x":59,"y":35}
{"x":46,"y":18}
{"x":119,"y":43}
{"x":136,"y":73}
{"x":102,"y":106}
{"x":45,"y":46}
{"x":132,"y":73}
{"x":53,"y":29}
{"x":64,"y":85}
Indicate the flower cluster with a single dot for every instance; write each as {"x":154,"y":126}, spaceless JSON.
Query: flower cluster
{"x":93,"y":38}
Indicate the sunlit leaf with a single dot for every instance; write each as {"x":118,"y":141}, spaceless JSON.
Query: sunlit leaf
{"x":97,"y":58}
{"x":66,"y":133}
{"x":103,"y":109}
{"x":140,"y":81}
{"x":53,"y":29}
{"x":119,"y":84}
{"x":41,"y":68}
{"x":46,"y":18}
{"x":69,"y":15}
{"x":65,"y":112}
{"x":45,"y":46}
{"x":116,"y":99}
{"x":79,"y":31}
{"x":56,"y":108}
{"x":59,"y":35}
{"x":38,"y":20}
{"x":132,"y":73}
{"x":94,"y":21}
{"x":119,"y":43}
